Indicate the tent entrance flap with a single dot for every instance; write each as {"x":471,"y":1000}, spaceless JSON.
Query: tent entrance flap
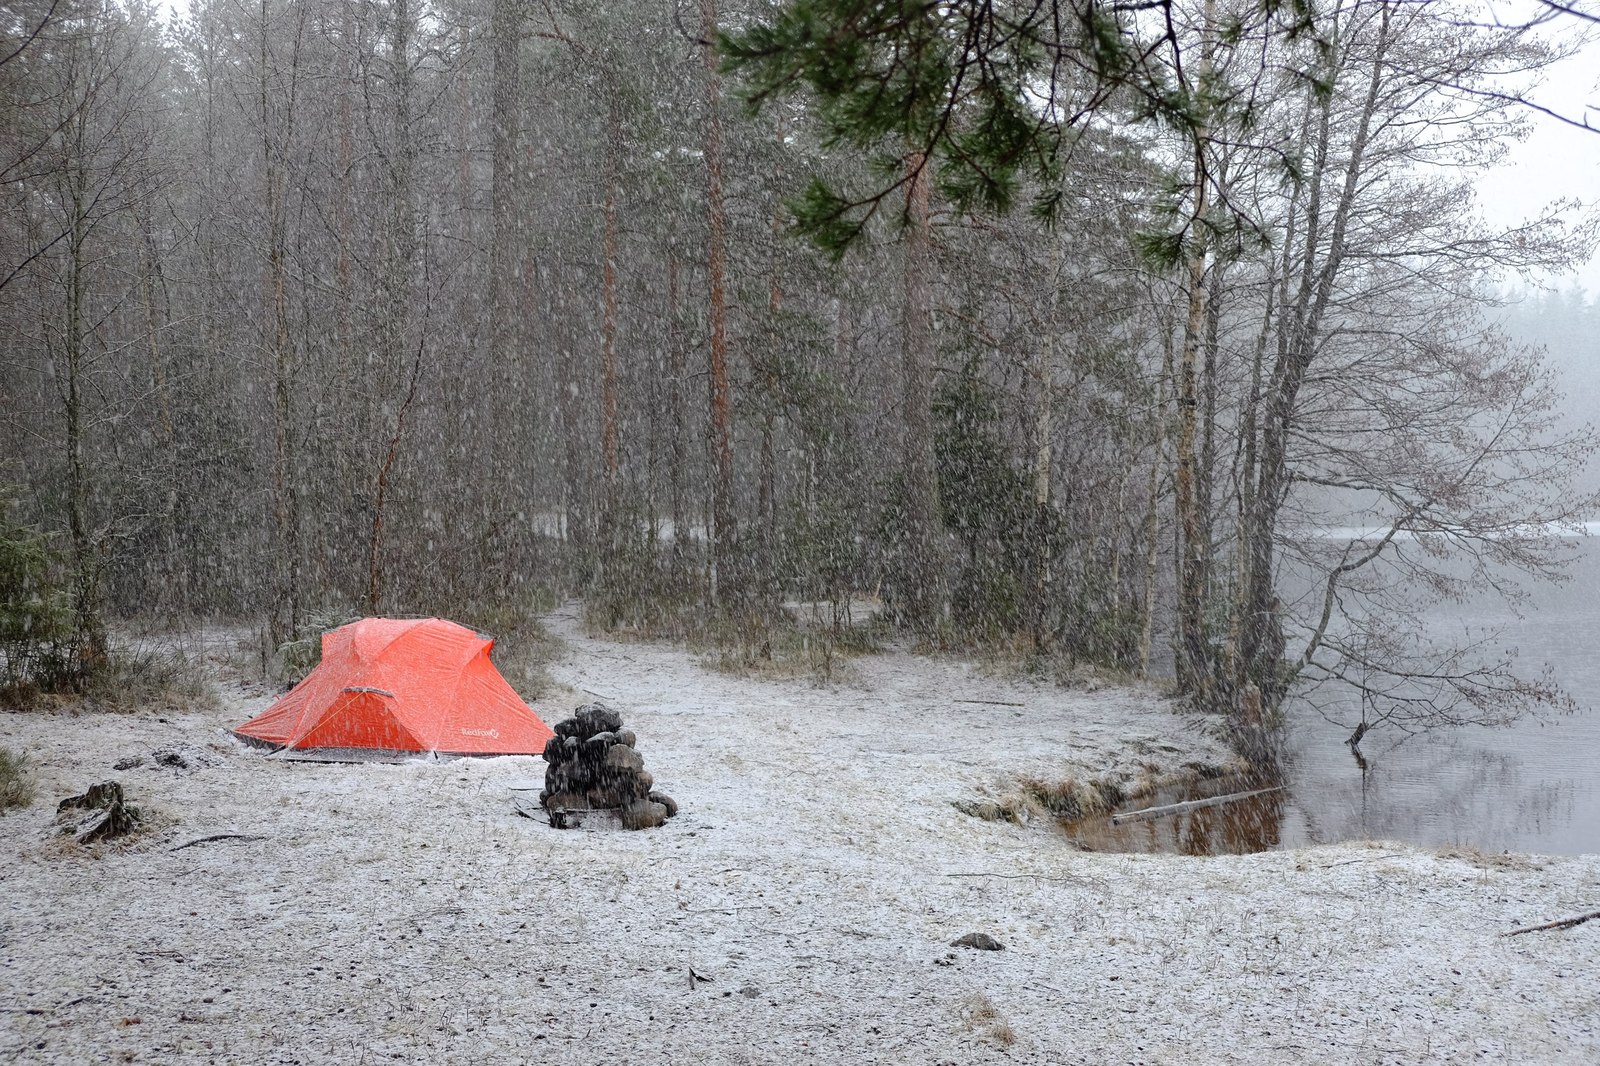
{"x":360,"y":719}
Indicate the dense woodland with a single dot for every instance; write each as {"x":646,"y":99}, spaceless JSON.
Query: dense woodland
{"x":315,"y":309}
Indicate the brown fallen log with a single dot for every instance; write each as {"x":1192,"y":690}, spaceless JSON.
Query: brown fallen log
{"x":1188,"y":805}
{"x":1559,"y":923}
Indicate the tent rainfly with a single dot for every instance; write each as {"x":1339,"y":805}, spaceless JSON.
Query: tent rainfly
{"x":390,"y":686}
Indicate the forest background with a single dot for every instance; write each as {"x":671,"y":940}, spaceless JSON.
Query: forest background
{"x":1164,"y":337}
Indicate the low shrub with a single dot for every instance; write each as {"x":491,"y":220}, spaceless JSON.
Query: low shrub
{"x":296,"y":657}
{"x":16,"y":780}
{"x":37,"y":622}
{"x":148,"y":676}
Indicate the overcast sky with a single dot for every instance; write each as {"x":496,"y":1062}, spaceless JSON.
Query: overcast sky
{"x":1557,"y":161}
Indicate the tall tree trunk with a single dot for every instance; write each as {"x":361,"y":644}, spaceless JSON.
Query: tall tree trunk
{"x":381,"y":489}
{"x":285,"y":617}
{"x":337,"y":443}
{"x":575,"y":480}
{"x":1193,"y":645}
{"x":724,"y":558}
{"x":90,"y":631}
{"x":505,"y":25}
{"x":401,"y":255}
{"x":506,"y":235}
{"x":1042,"y":384}
{"x":677,"y":368}
{"x":1193,"y":652}
{"x":924,"y":592}
{"x":1152,"y":521}
{"x":173,"y":590}
{"x":767,"y":492}
{"x":608,"y":362}
{"x":1248,"y":444}
{"x":1299,"y":331}
{"x":344,"y":197}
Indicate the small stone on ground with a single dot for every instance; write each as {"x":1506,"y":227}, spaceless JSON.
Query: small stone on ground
{"x":980,"y":941}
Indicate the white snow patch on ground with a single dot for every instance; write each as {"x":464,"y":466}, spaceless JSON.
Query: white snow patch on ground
{"x":817,"y":875}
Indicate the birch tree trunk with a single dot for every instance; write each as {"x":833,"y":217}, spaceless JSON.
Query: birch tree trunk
{"x":1193,"y":651}
{"x":1299,"y":331}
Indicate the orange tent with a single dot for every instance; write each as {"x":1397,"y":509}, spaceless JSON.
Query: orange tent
{"x":389,"y":686}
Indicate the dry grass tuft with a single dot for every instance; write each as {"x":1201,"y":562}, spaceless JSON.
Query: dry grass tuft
{"x":979,"y":1010}
{"x":146,"y":677}
{"x":1011,"y":810}
{"x":1073,"y":799}
{"x":1034,"y":796}
{"x":980,"y":1016}
{"x":16,"y":780}
{"x":1488,"y":860}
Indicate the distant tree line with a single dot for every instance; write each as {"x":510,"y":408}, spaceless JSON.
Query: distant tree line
{"x":389,"y":307}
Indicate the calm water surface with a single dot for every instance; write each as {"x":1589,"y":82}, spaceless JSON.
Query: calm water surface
{"x":1530,"y":787}
{"x":1533,"y":786}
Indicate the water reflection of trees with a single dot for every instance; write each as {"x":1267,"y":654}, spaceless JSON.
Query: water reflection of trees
{"x":1438,"y":789}
{"x":1493,"y":792}
{"x":1522,"y":788}
{"x":1240,"y":827}
{"x":1530,"y":787}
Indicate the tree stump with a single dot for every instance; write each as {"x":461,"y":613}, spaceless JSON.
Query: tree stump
{"x":111,"y":815}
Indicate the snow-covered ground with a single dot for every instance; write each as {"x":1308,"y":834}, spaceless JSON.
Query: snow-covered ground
{"x":814,"y":879}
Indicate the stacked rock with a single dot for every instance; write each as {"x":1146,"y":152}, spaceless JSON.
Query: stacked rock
{"x":593,"y":766}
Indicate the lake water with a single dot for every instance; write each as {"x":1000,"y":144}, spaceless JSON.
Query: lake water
{"x":1531,"y":787}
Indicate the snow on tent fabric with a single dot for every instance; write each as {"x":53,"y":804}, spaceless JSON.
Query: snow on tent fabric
{"x":401,"y":686}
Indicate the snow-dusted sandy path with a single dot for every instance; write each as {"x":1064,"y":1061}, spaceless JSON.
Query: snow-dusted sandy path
{"x":816,"y":874}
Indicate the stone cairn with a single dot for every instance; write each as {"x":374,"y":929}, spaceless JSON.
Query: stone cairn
{"x":593,"y":767}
